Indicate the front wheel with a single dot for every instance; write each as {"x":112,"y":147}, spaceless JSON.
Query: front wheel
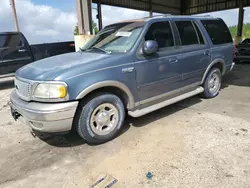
{"x":212,"y":83}
{"x":101,"y":118}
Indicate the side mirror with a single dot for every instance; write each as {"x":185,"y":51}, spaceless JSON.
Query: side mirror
{"x":150,"y":47}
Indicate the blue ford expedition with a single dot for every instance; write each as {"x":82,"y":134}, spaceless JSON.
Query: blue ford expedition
{"x":136,"y":66}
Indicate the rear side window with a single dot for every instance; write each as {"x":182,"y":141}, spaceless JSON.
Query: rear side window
{"x":188,"y":33}
{"x":10,"y":40}
{"x":161,"y":32}
{"x":218,"y":31}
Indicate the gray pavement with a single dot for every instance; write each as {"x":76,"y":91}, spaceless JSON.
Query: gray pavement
{"x":194,"y":143}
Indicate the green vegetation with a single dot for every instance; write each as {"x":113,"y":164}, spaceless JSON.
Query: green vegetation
{"x":246,"y":30}
{"x":94,"y":25}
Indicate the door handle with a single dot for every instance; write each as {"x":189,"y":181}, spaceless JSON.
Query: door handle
{"x":22,"y":50}
{"x":207,"y":53}
{"x":173,"y":60}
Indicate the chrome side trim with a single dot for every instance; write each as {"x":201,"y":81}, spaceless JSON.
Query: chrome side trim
{"x":17,"y":59}
{"x":108,"y":83}
{"x":168,"y":94}
{"x":211,"y":64}
{"x":141,"y":112}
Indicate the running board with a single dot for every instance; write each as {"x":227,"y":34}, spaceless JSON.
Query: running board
{"x":141,"y":112}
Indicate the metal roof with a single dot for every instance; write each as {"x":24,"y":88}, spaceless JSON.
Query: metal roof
{"x":161,"y":6}
{"x":177,"y":6}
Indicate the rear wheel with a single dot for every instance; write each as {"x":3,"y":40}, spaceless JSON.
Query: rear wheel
{"x":212,"y":83}
{"x":101,"y":118}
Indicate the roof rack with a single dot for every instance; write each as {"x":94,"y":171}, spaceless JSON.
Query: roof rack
{"x":206,"y":15}
{"x":167,"y":14}
{"x":163,"y":15}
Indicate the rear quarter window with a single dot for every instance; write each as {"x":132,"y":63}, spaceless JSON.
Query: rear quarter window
{"x":217,"y":31}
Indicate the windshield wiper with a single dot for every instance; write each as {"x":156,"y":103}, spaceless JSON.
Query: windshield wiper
{"x":101,"y":49}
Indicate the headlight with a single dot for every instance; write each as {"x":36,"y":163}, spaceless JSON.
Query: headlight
{"x":50,"y":91}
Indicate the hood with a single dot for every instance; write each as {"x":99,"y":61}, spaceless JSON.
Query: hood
{"x":53,"y":67}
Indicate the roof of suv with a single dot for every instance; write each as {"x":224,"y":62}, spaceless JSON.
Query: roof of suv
{"x":206,"y":17}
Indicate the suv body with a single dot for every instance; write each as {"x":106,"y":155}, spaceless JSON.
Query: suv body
{"x":137,"y":66}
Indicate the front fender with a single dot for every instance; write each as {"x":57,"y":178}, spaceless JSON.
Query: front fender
{"x":84,"y":84}
{"x":109,"y":83}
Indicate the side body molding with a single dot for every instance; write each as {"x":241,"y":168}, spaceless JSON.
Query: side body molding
{"x":221,"y":61}
{"x":110,"y":83}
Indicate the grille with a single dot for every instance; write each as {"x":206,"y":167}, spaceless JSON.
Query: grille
{"x":23,"y":89}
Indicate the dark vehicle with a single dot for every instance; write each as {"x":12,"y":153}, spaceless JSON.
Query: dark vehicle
{"x":243,"y":51}
{"x":16,"y":52}
{"x":138,"y":66}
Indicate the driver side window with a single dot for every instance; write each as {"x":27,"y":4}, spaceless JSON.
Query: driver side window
{"x":161,"y":32}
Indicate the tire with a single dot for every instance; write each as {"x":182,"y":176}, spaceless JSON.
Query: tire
{"x":209,"y":92}
{"x":96,"y":123}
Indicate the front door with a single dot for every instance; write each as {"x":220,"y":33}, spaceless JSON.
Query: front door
{"x":14,"y":52}
{"x":158,"y":74}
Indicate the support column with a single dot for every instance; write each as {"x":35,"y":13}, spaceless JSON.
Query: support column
{"x":183,"y":6}
{"x":99,"y":10}
{"x":84,"y":16}
{"x":13,"y":6}
{"x":240,"y":21}
{"x":150,"y":9}
{"x":240,"y":24}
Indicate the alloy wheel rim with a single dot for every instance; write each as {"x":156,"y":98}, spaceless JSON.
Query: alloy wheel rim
{"x":214,"y":83}
{"x":104,"y":119}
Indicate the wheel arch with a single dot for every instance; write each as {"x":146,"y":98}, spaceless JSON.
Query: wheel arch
{"x":219,"y":63}
{"x":115,"y":87}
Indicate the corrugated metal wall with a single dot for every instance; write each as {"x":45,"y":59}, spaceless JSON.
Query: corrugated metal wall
{"x":202,"y":6}
{"x":161,"y":6}
{"x":178,"y":6}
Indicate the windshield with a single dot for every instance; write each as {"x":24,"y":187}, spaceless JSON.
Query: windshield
{"x":116,"y":38}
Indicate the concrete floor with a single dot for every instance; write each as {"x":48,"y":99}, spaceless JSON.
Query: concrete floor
{"x":195,"y":143}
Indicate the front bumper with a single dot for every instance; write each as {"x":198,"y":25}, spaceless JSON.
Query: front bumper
{"x":44,"y":117}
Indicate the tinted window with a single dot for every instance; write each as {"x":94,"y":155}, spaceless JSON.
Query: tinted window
{"x":218,"y":31}
{"x":2,"y":40}
{"x":10,"y":40}
{"x":161,"y":32}
{"x":187,"y":32}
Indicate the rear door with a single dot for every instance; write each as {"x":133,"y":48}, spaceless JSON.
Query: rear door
{"x":14,"y":53}
{"x":194,"y":52}
{"x":221,"y":40}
